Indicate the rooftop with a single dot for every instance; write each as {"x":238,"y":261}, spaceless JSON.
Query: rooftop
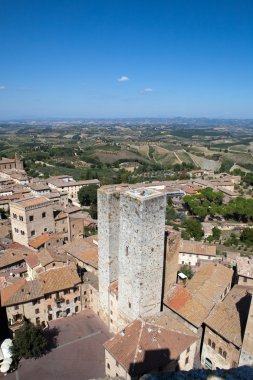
{"x":82,"y":249}
{"x":42,"y":239}
{"x":58,"y":279}
{"x":29,"y":202}
{"x":195,"y":301}
{"x":229,"y":317}
{"x":197,"y":248}
{"x":134,"y":347}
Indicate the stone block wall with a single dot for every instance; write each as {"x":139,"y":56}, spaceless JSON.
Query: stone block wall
{"x":108,"y":245}
{"x":141,"y":252}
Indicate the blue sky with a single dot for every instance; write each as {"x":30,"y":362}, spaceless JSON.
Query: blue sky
{"x":105,"y":58}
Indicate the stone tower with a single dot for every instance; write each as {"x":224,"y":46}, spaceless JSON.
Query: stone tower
{"x":19,"y":162}
{"x":108,"y":244}
{"x":141,"y":253}
{"x":171,"y":267}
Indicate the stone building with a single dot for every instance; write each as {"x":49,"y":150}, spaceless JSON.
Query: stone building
{"x":191,"y":252}
{"x":108,"y":244}
{"x":131,"y":252}
{"x":31,"y":217}
{"x":244,"y":271}
{"x":192,"y":304}
{"x":225,"y":330}
{"x":141,"y":253}
{"x":11,"y":163}
{"x":144,"y":347}
{"x":172,"y":244}
{"x":70,"y":186}
{"x":53,"y":294}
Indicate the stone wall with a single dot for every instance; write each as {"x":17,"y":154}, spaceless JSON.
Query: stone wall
{"x":108,"y":245}
{"x":141,"y":253}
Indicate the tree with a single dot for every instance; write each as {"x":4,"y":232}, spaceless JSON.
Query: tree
{"x":247,"y":236}
{"x":30,"y":342}
{"x":87,"y":195}
{"x":93,"y":211}
{"x":216,"y":233}
{"x":186,"y":269}
{"x":193,"y":229}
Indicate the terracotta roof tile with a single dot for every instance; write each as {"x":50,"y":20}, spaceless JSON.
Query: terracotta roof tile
{"x":83,"y":250}
{"x":229,"y":317}
{"x":14,"y":255}
{"x":131,"y":348}
{"x":32,"y":201}
{"x":195,"y":301}
{"x":197,"y":248}
{"x":58,"y":279}
{"x":42,"y":239}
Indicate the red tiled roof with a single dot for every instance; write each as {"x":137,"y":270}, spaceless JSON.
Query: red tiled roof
{"x":42,"y":239}
{"x":131,"y":347}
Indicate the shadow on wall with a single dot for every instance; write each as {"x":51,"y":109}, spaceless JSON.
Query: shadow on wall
{"x":153,"y":360}
{"x":243,"y":307}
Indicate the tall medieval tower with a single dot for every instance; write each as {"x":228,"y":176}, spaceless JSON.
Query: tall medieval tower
{"x":141,"y":253}
{"x":108,"y":244}
{"x":131,"y":252}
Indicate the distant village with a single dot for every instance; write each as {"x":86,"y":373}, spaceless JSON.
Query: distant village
{"x":128,"y":271}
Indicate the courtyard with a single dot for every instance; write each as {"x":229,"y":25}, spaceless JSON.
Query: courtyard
{"x":79,"y":353}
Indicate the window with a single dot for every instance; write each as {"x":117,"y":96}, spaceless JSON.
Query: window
{"x":208,"y":363}
{"x":126,"y":250}
{"x":67,"y":302}
{"x":220,"y":351}
{"x":16,"y":307}
{"x":111,"y":312}
{"x":186,"y":360}
{"x":213,"y":345}
{"x":43,"y":215}
{"x":50,"y":317}
{"x":117,"y":364}
{"x":32,"y":233}
{"x":90,"y":291}
{"x":234,"y":364}
{"x":49,"y":307}
{"x":37,"y":311}
{"x":111,"y":321}
{"x":224,"y":354}
{"x":76,"y":309}
{"x":67,"y":291}
{"x":14,"y":216}
{"x":129,"y":305}
{"x":108,"y":366}
{"x":21,"y":218}
{"x":45,"y":230}
{"x":209,"y":257}
{"x":182,"y":262}
{"x":84,"y":292}
{"x":188,"y":350}
{"x":244,"y":279}
{"x":31,"y":218}
{"x":22,"y":232}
